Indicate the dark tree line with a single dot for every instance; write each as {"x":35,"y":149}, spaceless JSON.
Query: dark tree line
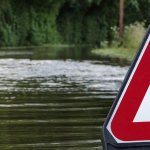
{"x":35,"y":22}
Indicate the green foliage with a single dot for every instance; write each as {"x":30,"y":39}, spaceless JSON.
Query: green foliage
{"x":36,"y":22}
{"x":133,"y":35}
{"x":23,"y":23}
{"x":79,"y":24}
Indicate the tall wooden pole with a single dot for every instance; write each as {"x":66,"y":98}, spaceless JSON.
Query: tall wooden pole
{"x":121,"y":20}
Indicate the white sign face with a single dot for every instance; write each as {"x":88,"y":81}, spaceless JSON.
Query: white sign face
{"x":143,"y":114}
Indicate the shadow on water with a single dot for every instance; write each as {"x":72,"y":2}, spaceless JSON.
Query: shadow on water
{"x":61,"y":53}
{"x":56,"y":98}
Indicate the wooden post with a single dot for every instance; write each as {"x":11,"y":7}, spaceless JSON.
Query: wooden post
{"x":121,"y":20}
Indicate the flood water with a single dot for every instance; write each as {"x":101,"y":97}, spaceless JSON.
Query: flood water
{"x":56,"y":98}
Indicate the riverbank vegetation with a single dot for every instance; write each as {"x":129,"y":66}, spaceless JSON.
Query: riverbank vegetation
{"x":132,"y":37}
{"x":37,"y":22}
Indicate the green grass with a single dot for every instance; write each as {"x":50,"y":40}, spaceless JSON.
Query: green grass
{"x":116,"y":52}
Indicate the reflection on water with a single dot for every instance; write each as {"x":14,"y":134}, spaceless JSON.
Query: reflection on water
{"x":56,"y":98}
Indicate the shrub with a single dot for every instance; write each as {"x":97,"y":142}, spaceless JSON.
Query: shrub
{"x":133,"y":35}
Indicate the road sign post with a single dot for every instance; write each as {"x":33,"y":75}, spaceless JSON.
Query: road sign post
{"x":127,"y":126}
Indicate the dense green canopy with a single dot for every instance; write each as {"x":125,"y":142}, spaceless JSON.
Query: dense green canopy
{"x":34,"y":22}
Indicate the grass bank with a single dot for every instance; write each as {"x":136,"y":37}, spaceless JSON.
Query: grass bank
{"x":124,"y":53}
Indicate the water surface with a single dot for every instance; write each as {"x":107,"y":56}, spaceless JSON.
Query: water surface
{"x":56,"y":98}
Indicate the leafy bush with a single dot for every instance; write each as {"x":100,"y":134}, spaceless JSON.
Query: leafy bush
{"x":133,"y":35}
{"x":34,"y":22}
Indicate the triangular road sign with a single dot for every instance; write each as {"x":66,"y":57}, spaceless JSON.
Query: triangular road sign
{"x":128,"y":122}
